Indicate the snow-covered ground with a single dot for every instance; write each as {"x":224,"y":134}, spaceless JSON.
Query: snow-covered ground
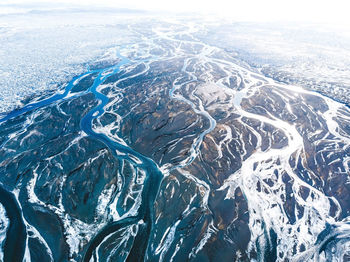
{"x":43,"y":46}
{"x":40,"y":50}
{"x":313,"y":55}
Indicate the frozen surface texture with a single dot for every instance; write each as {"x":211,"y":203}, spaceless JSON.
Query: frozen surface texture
{"x":162,"y":139}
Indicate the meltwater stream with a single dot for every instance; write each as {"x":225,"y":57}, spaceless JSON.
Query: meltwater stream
{"x":237,"y":108}
{"x":16,"y":236}
{"x":145,"y":213}
{"x":151,"y":183}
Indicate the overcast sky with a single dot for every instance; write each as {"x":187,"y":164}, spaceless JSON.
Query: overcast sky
{"x":327,"y":11}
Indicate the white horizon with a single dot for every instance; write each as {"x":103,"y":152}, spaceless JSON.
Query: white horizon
{"x":322,"y":11}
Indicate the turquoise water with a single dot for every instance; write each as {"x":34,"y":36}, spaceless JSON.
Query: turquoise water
{"x":17,"y":233}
